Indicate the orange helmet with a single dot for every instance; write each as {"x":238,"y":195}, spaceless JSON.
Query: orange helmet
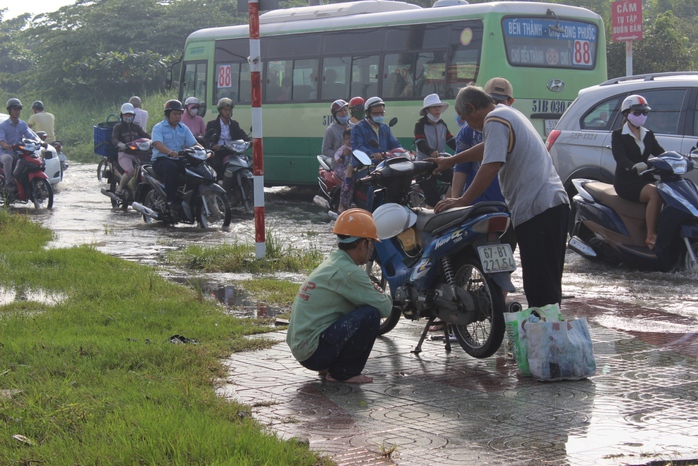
{"x":357,"y":223}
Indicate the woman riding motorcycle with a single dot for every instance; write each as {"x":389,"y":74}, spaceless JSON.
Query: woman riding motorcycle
{"x":125,"y":132}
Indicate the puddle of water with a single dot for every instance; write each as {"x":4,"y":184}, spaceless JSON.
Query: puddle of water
{"x":11,"y":295}
{"x":236,"y":301}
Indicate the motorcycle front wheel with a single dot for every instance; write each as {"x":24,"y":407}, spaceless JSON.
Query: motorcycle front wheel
{"x":104,"y":170}
{"x":375,"y":273}
{"x":219,"y":213}
{"x":482,"y":337}
{"x":42,"y":194}
{"x":248,"y":195}
{"x":155,"y":202}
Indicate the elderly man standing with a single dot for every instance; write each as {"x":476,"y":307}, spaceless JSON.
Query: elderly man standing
{"x":539,"y":205}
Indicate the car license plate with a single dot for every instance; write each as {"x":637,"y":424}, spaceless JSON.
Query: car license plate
{"x":496,"y":258}
{"x":549,"y":126}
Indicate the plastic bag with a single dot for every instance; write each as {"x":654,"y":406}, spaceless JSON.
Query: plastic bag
{"x":516,"y":323}
{"x":560,"y":350}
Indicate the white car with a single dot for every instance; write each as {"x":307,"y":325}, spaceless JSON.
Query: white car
{"x":53,"y":164}
{"x":580,"y":144}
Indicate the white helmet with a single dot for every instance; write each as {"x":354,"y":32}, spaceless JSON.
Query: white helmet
{"x":634,"y":102}
{"x":392,"y":219}
{"x":191,"y":100}
{"x":372,"y":102}
{"x":128,"y":108}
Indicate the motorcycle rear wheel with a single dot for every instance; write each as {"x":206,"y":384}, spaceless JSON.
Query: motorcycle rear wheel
{"x":482,"y":337}
{"x":42,"y":194}
{"x":220,"y":213}
{"x":375,"y":273}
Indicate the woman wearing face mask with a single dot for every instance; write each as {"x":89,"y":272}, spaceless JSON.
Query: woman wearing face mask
{"x":632,"y":145}
{"x":431,"y":135}
{"x":191,"y":117}
{"x":333,"y":139}
{"x":125,"y":132}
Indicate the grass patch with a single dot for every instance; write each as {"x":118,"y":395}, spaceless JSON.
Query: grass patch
{"x":240,"y":257}
{"x":95,"y":378}
{"x":280,"y":293}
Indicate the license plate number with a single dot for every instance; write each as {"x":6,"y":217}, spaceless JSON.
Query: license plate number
{"x":549,"y":126}
{"x":496,"y":258}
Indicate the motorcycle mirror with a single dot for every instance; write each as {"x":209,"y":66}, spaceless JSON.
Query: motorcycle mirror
{"x":392,"y":122}
{"x":362,"y":157}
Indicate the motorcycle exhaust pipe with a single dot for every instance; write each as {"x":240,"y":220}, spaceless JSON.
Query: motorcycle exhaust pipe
{"x":581,"y":248}
{"x":321,"y":202}
{"x":111,"y":195}
{"x":138,"y":207}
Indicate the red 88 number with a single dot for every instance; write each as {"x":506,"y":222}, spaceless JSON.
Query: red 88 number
{"x":582,"y":52}
{"x":224,"y":76}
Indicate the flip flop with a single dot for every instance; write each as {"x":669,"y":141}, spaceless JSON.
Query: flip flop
{"x":651,"y":241}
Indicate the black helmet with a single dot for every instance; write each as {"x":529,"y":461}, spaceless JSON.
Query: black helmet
{"x":39,"y":105}
{"x":173,"y":104}
{"x":13,"y":103}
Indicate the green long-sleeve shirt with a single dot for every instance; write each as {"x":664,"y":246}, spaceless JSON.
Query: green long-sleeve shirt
{"x":333,"y":290}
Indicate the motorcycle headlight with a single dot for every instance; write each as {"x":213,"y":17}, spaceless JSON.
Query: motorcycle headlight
{"x":679,"y":167}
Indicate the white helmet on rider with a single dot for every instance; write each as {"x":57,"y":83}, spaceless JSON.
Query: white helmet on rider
{"x":392,"y":219}
{"x":128,"y":108}
{"x":372,"y":102}
{"x":191,"y":101}
{"x":634,"y":103}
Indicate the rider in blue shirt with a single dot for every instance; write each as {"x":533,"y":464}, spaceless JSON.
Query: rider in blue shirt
{"x":169,"y":137}
{"x":372,"y":127}
{"x":12,"y":131}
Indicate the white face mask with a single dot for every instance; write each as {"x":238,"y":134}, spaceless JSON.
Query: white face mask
{"x":193,"y":111}
{"x":637,"y":120}
{"x":432,"y":118}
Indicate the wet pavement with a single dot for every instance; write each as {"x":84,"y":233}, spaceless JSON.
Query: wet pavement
{"x":450,"y":409}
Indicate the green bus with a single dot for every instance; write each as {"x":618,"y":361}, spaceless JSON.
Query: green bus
{"x":398,"y":51}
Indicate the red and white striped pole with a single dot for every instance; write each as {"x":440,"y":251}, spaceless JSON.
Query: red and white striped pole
{"x":257,"y":148}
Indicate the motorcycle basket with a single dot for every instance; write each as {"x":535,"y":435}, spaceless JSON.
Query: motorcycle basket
{"x":102,"y":137}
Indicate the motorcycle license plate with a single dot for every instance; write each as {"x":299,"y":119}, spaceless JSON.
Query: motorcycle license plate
{"x":496,"y":258}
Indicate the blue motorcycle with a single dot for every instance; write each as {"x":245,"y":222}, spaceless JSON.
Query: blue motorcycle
{"x":613,"y":230}
{"x":451,"y":265}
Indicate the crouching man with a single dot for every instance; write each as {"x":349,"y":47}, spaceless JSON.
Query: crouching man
{"x":336,"y":314}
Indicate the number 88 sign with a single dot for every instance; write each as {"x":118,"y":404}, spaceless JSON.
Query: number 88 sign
{"x":224,"y":76}
{"x":582,"y":53}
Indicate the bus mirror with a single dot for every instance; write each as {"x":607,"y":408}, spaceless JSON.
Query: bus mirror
{"x":362,"y":157}
{"x":168,"y":79}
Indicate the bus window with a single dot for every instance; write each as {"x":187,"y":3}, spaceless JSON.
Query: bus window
{"x":395,"y":76}
{"x":462,"y":70}
{"x":194,"y":83}
{"x":430,"y":74}
{"x":305,"y":80}
{"x":335,"y":78}
{"x":245,"y":93}
{"x":364,"y":76}
{"x":274,"y":90}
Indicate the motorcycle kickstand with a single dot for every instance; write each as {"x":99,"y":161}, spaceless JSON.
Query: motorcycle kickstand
{"x":418,"y":348}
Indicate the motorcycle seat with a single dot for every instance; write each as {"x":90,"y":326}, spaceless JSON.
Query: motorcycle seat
{"x":606,"y":194}
{"x":433,"y":224}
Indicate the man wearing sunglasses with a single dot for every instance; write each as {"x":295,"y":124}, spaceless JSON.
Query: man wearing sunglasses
{"x":192,"y":119}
